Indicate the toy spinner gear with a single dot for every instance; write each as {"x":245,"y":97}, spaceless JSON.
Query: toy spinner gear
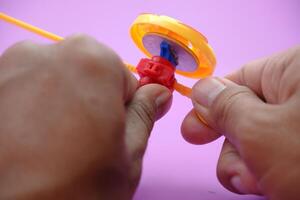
{"x":172,"y":47}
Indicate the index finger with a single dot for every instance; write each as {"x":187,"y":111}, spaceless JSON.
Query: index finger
{"x":263,"y":75}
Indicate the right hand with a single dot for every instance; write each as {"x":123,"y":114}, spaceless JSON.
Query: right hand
{"x":257,"y":109}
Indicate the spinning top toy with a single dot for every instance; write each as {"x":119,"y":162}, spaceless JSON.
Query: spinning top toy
{"x":171,"y":48}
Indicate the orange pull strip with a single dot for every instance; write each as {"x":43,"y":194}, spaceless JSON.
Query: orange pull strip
{"x":182,"y":89}
{"x":31,"y":28}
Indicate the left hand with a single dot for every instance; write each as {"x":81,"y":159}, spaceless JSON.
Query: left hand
{"x":73,"y":124}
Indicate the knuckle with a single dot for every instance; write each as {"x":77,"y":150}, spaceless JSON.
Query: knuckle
{"x":21,"y":48}
{"x":80,"y":38}
{"x":297,"y":50}
{"x":25,"y":44}
{"x":225,"y":111}
{"x":242,"y":75}
{"x":88,"y":47}
{"x":295,"y":55}
{"x":242,"y":123}
{"x":145,"y":112}
{"x":26,"y":54}
{"x":285,"y":59}
{"x":92,"y":55}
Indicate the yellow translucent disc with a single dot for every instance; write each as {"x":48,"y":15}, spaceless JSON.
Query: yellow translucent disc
{"x":186,"y":37}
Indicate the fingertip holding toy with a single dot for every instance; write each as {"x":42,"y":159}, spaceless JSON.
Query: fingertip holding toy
{"x":171,"y":47}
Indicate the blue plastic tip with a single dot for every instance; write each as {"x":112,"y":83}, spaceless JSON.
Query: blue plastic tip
{"x":168,"y":53}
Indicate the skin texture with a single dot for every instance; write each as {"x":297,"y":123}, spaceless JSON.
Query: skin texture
{"x":73,"y":124}
{"x":257,"y":110}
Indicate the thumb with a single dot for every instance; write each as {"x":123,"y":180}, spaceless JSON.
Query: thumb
{"x":149,"y":103}
{"x":227,"y":107}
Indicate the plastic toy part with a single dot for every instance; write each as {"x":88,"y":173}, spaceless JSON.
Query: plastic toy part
{"x":156,"y":70}
{"x":182,"y":89}
{"x":168,"y":53}
{"x":178,"y":45}
{"x":159,"y":69}
{"x":185,"y":59}
{"x":195,"y":57}
{"x":31,"y":28}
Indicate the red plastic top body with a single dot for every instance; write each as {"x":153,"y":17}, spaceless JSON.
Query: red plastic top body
{"x":156,"y":70}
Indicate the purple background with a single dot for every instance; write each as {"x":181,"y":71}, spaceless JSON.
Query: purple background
{"x":239,"y":31}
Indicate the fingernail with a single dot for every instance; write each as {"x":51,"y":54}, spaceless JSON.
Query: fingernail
{"x":206,"y":90}
{"x":162,"y":98}
{"x":236,"y":182}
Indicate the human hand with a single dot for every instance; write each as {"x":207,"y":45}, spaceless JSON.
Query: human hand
{"x":73,"y":124}
{"x":257,"y":110}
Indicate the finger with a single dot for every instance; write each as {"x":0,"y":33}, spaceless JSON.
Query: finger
{"x":21,"y":58}
{"x":227,"y":108}
{"x":250,"y":75}
{"x":233,"y":173}
{"x":195,"y":131}
{"x":130,"y":84}
{"x":26,"y":53}
{"x":262,"y":76}
{"x":98,"y":59}
{"x":148,"y":103}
